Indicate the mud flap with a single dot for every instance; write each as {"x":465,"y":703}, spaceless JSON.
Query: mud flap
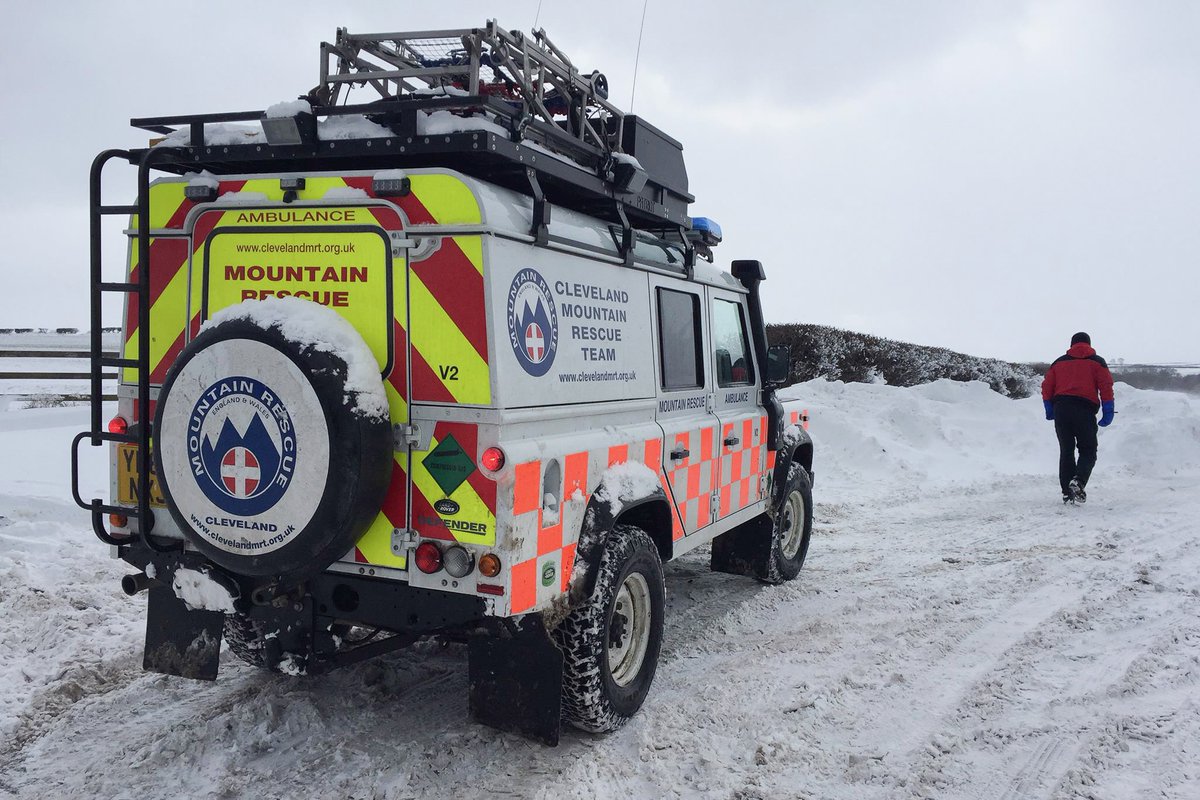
{"x":180,"y":641}
{"x":745,"y":550}
{"x":516,"y":683}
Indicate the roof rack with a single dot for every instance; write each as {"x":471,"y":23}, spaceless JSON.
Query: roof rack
{"x":497,"y":104}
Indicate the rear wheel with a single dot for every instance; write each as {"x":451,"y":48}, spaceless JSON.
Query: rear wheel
{"x":245,"y":640}
{"x":611,"y":641}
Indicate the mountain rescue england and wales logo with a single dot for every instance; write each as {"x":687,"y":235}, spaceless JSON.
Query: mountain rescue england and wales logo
{"x":532,"y":322}
{"x":241,"y":446}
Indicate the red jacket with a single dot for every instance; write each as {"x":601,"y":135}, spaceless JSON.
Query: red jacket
{"x":1080,"y":373}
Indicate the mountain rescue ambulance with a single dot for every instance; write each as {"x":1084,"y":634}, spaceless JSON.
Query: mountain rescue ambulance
{"x":453,"y":361}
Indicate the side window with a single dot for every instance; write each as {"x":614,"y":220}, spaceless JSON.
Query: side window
{"x":730,"y":345}
{"x":679,"y":340}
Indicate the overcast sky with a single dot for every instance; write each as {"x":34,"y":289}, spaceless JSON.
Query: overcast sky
{"x":989,"y":177}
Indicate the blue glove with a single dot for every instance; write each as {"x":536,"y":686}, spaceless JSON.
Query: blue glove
{"x":1049,"y":409}
{"x":1106,"y":418}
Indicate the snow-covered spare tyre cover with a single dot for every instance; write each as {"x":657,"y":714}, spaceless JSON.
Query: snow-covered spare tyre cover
{"x":272,"y":438}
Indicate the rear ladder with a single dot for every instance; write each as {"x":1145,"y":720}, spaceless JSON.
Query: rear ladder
{"x":140,"y":434}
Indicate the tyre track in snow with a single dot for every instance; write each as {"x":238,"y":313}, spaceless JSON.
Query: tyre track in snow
{"x":1055,"y":680}
{"x":815,"y":720}
{"x":894,"y":667}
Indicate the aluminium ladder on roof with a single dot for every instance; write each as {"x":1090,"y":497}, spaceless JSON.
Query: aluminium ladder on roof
{"x":531,"y":73}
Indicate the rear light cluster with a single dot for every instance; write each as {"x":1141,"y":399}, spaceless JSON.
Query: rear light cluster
{"x":492,"y":459}
{"x":456,"y":560}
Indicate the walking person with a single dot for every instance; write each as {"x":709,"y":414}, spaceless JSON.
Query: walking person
{"x":1077,"y":385}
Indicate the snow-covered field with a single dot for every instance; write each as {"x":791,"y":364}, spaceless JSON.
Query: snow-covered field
{"x":956,"y":633}
{"x":20,"y":392}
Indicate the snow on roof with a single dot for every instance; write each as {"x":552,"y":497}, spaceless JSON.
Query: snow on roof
{"x":442,"y":122}
{"x":242,"y":199}
{"x":309,"y":324}
{"x":345,"y":193}
{"x":222,"y":133}
{"x":204,"y":178}
{"x":440,"y":91}
{"x":625,"y":158}
{"x":289,"y":108}
{"x":351,"y":126}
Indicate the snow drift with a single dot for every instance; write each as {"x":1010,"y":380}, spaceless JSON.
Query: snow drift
{"x":956,"y":633}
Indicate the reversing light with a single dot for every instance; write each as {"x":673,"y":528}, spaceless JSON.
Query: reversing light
{"x":428,"y":557}
{"x":458,"y":561}
{"x":391,"y":183}
{"x":118,"y":425}
{"x":492,"y":459}
{"x":489,"y":565}
{"x":201,"y":189}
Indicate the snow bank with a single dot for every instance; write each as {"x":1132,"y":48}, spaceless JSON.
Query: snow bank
{"x":309,"y":324}
{"x":946,"y":433}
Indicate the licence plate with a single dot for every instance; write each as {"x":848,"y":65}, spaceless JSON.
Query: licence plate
{"x":127,"y":478}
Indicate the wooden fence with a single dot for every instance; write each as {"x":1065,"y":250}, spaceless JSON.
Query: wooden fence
{"x":15,"y":379}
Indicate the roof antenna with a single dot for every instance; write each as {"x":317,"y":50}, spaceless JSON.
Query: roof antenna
{"x":638,"y":56}
{"x":536,"y":17}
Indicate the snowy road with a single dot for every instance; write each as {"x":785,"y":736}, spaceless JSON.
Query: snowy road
{"x":956,"y":633}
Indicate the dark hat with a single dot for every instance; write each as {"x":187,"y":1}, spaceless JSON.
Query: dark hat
{"x":1081,"y":337}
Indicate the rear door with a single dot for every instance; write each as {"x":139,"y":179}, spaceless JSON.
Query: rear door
{"x":346,"y":257}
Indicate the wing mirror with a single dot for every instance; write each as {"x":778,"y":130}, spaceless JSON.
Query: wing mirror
{"x":779,"y":362}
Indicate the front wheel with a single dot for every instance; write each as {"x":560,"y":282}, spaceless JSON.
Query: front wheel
{"x":772,"y":546}
{"x":791,"y":528}
{"x":611,"y":641}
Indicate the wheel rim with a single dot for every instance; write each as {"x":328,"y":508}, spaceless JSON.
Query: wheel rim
{"x":629,"y":629}
{"x":791,"y":525}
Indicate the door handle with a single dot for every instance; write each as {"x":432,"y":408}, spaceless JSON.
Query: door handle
{"x":731,"y":441}
{"x":680,"y":453}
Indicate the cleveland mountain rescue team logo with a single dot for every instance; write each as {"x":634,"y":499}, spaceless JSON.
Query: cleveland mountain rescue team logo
{"x":241,"y":446}
{"x":532,"y":322}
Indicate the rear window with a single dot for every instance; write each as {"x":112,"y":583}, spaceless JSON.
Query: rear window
{"x":679,"y":340}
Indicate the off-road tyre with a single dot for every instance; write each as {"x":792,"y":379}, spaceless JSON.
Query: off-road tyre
{"x":245,"y":640}
{"x":791,"y":527}
{"x":772,"y":547}
{"x":592,"y":635}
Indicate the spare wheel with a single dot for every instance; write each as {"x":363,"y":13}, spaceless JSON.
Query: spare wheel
{"x":272,"y":438}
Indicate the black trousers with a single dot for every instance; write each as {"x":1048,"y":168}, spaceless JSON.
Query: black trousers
{"x":1075,"y":424}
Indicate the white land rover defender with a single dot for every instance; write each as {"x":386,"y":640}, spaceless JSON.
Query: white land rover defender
{"x":451,"y":362}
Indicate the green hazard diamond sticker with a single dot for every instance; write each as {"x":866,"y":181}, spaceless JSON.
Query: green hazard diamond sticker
{"x":449,"y":464}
